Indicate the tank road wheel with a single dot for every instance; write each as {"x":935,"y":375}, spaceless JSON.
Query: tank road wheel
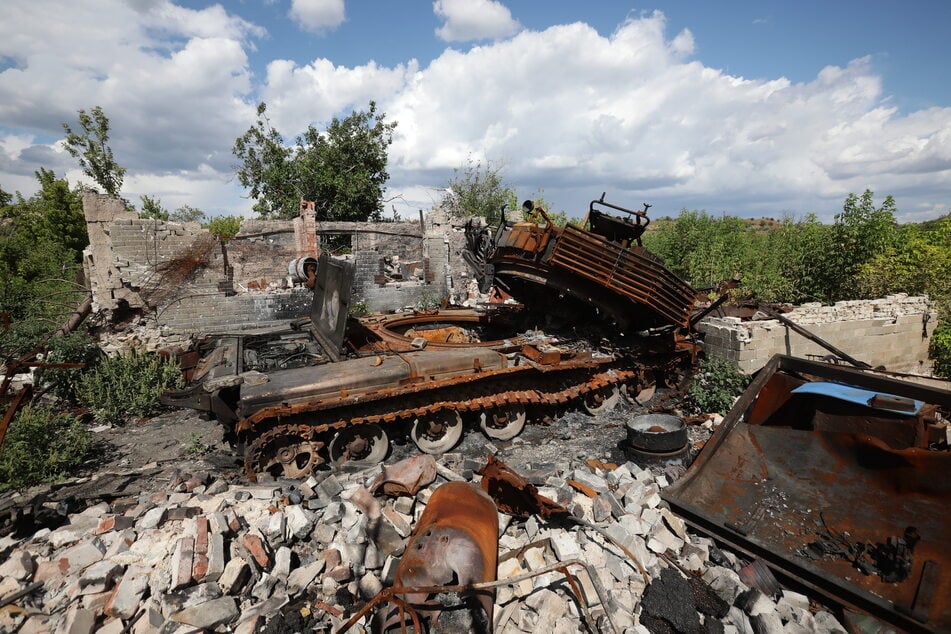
{"x":639,"y":392}
{"x":288,"y":457}
{"x":601,"y":400}
{"x":359,"y":445}
{"x":503,"y":423}
{"x":437,"y":432}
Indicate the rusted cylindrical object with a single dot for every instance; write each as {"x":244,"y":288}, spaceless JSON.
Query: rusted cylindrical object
{"x":657,"y":433}
{"x":455,"y":540}
{"x":302,"y":269}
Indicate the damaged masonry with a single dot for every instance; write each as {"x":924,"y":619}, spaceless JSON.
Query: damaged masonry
{"x":514,"y":465}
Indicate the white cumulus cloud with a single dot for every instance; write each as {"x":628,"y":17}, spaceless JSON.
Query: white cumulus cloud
{"x":318,"y":15}
{"x":465,"y":20}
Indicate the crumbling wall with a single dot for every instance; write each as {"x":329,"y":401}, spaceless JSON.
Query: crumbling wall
{"x":398,"y":264}
{"x":892,"y":332}
{"x":184,"y":280}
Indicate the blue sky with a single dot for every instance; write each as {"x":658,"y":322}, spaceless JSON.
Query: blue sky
{"x":749,"y":108}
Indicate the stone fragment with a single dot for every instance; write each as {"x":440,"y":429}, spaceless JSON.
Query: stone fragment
{"x":182,"y":561}
{"x":565,"y":545}
{"x":99,"y":577}
{"x":300,"y":578}
{"x":125,"y":599}
{"x":151,"y":620}
{"x":257,"y":549}
{"x":114,"y":523}
{"x":216,"y":557}
{"x":276,"y":528}
{"x":152,"y":518}
{"x":592,"y":481}
{"x":111,"y":626}
{"x":369,"y":586}
{"x":235,"y":576}
{"x":80,"y":556}
{"x":120,"y":543}
{"x":330,"y":487}
{"x":182,"y":513}
{"x":209,"y":614}
{"x":265,"y":585}
{"x":79,"y":527}
{"x":282,"y":563}
{"x":19,"y":565}
{"x":512,"y":568}
{"x":397,"y":520}
{"x":78,"y":621}
{"x":362,"y":499}
{"x":299,"y":522}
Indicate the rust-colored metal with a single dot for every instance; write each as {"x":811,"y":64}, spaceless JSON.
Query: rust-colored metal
{"x":515,"y":495}
{"x":785,"y":471}
{"x":602,"y":264}
{"x":406,"y":477}
{"x":16,"y":402}
{"x":474,"y":364}
{"x":456,"y":538}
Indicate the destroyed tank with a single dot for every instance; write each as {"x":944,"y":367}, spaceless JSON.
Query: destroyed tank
{"x":336,"y":388}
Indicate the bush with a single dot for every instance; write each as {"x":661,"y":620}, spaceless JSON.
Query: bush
{"x":127,"y":386}
{"x":715,"y":386}
{"x":42,"y":445}
{"x":940,"y":350}
{"x":75,"y":347}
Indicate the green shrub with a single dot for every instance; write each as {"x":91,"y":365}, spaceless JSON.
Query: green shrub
{"x":715,"y":386}
{"x":42,"y":445}
{"x":75,"y":347}
{"x":127,"y":386}
{"x":940,"y":349}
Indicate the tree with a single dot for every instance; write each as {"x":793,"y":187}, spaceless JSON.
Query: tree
{"x":92,"y":149}
{"x":860,"y":233}
{"x":341,"y":169}
{"x":152,"y":208}
{"x":478,"y":190}
{"x":187,"y":213}
{"x":40,"y":249}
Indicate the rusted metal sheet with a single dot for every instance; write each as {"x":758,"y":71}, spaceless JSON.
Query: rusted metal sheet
{"x":827,"y":492}
{"x":332,"y":303}
{"x":406,"y":477}
{"x":515,"y":495}
{"x":602,"y":265}
{"x":632,"y":272}
{"x":456,"y":537}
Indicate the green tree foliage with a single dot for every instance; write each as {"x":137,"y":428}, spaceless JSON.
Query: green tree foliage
{"x":90,"y":147}
{"x":76,"y":347}
{"x":42,"y":445}
{"x":152,"y":208}
{"x":342,"y":169}
{"x":860,"y":233}
{"x":225,"y":227}
{"x":187,"y":213}
{"x":41,"y":242}
{"x":480,"y":190}
{"x":127,"y":386}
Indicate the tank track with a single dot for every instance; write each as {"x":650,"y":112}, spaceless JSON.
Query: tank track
{"x":271,"y":441}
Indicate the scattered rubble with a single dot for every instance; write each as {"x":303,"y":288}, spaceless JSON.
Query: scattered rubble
{"x":203,"y":553}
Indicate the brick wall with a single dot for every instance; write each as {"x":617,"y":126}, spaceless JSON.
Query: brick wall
{"x":893,"y":332}
{"x":186,"y":281}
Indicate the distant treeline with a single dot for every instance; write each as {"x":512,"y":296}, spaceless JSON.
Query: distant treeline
{"x":865,"y":253}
